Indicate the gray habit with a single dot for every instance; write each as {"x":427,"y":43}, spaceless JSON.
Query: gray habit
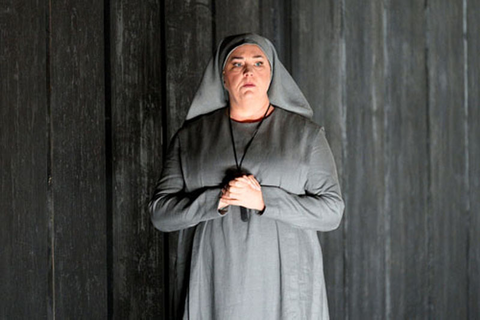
{"x":269,"y":267}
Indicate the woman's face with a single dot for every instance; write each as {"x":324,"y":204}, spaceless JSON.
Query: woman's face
{"x":247,"y":73}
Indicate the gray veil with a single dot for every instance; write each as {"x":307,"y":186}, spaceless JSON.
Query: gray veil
{"x":283,"y":91}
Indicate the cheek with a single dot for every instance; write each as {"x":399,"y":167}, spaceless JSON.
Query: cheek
{"x":266,"y":80}
{"x":230,"y":81}
{"x":226,"y":82}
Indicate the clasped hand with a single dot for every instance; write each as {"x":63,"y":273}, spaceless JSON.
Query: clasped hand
{"x":243,"y":191}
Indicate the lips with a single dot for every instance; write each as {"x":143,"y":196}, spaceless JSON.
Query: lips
{"x":248,"y":85}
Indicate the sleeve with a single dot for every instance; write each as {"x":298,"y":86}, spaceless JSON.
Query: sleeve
{"x":321,"y":207}
{"x":171,"y":208}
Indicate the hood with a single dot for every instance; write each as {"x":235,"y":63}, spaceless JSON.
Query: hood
{"x":283,"y":91}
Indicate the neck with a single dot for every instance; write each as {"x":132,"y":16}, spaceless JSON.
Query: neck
{"x":249,"y":112}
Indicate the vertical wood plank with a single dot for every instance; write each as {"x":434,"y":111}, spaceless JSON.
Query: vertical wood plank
{"x":472,"y":11}
{"x":448,"y":160}
{"x":189,"y":46}
{"x":316,"y":57}
{"x":269,"y":18}
{"x":24,"y":262}
{"x":275,"y":17}
{"x":234,"y":17}
{"x":365,"y":216}
{"x":136,"y":55}
{"x":78,"y":171}
{"x":406,"y":170}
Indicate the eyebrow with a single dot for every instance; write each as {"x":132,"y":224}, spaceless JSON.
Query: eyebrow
{"x":242,"y":58}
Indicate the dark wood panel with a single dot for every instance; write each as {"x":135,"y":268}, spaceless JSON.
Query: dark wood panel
{"x":449,"y":193}
{"x":136,"y":57}
{"x":317,"y":66}
{"x":234,"y":17}
{"x":24,"y":263}
{"x":365,"y":221}
{"x":78,"y":160}
{"x":404,"y":138}
{"x":406,"y":171}
{"x":189,"y":46}
{"x":473,"y":126}
{"x":275,"y":25}
{"x":269,"y":18}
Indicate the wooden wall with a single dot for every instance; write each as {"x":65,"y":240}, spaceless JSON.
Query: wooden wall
{"x":92,"y":91}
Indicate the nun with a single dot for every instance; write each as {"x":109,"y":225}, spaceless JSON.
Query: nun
{"x":248,"y":181}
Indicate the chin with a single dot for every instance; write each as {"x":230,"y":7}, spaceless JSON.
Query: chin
{"x":251,"y":96}
{"x":253,"y":93}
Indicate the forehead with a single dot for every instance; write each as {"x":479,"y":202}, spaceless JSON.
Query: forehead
{"x":247,"y":51}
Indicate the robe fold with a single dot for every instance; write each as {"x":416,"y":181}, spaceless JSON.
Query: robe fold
{"x":270,"y":266}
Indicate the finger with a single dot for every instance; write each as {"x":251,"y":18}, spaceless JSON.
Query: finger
{"x":238,"y":183}
{"x":234,"y":192}
{"x":240,"y":188}
{"x":224,"y":190}
{"x":228,"y":198}
{"x":251,"y":182}
{"x":252,"y":177}
{"x":222,"y":204}
{"x":230,"y":194}
{"x":254,"y":182}
{"x":233,"y":202}
{"x":243,"y":180}
{"x":247,"y":181}
{"x":233,"y":183}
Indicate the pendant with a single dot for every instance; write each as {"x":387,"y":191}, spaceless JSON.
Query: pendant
{"x":244,"y":214}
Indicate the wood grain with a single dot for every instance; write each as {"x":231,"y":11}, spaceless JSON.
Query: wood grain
{"x":78,"y":163}
{"x":448,"y":171}
{"x":234,"y":17}
{"x":275,"y":25}
{"x":189,"y":44}
{"x":92,"y":92}
{"x":136,"y":58}
{"x":364,"y":221}
{"x":24,"y":216}
{"x":472,"y":24}
{"x":406,"y":168}
{"x":316,"y":42}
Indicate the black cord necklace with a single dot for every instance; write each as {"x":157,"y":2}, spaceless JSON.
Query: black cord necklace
{"x":239,"y":173}
{"x":239,"y":164}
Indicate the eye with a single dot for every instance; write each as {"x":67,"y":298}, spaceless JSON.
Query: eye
{"x":237,"y":64}
{"x":258,"y":64}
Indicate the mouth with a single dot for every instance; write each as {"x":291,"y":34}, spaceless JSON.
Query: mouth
{"x":248,"y":85}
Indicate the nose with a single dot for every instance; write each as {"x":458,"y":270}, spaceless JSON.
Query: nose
{"x":247,"y":69}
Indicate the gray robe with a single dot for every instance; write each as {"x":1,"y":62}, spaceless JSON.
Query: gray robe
{"x":269,"y":267}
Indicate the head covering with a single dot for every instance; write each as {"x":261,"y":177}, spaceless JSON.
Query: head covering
{"x":283,"y":91}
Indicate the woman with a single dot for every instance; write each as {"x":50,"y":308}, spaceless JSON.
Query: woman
{"x":253,"y":179}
